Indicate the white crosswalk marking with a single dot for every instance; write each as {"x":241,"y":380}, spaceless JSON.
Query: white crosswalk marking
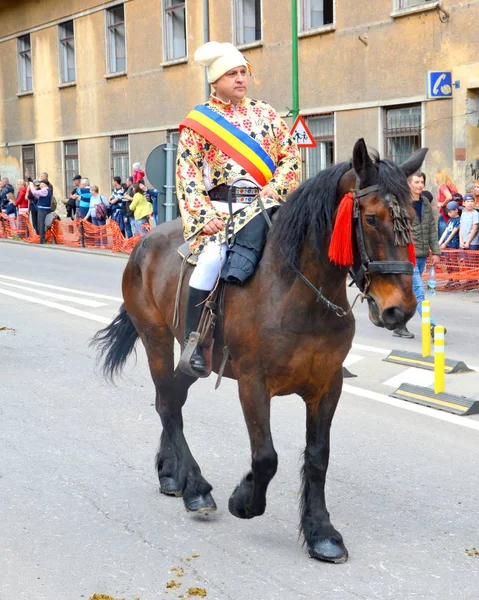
{"x":351,"y":359}
{"x":61,"y":289}
{"x":412,"y":375}
{"x":68,"y":309}
{"x":76,"y":300}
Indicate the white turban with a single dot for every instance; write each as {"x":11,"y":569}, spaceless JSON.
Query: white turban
{"x":219,"y":58}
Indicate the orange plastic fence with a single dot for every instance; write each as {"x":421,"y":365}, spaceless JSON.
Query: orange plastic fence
{"x":457,"y":270}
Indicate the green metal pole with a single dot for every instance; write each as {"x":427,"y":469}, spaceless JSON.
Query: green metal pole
{"x":294,"y":44}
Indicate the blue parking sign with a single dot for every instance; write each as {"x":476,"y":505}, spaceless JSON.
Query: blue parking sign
{"x":439,"y":84}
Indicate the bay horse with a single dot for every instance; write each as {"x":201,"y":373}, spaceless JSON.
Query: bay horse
{"x":288,"y":329}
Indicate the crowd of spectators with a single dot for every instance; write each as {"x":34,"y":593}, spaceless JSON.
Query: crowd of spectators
{"x":130,"y":204}
{"x":456,"y":228}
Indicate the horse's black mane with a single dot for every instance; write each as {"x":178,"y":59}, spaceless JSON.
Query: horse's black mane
{"x":312,"y":207}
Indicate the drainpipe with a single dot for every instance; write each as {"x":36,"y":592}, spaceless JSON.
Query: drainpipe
{"x":294,"y":46}
{"x":206,"y":38}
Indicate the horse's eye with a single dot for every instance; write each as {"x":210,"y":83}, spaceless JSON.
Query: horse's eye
{"x":371,"y":220}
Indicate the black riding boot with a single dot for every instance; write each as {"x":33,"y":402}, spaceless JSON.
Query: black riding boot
{"x":194,"y":308}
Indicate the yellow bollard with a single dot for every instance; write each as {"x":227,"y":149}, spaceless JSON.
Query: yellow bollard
{"x":439,"y":360}
{"x":426,"y":328}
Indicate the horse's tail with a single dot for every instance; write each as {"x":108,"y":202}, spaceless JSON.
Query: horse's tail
{"x":115,"y":343}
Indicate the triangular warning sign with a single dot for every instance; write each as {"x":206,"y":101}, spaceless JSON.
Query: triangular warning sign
{"x":301,"y":134}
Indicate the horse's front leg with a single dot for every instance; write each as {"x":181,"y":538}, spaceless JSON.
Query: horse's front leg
{"x":249,"y":498}
{"x":323,"y":541}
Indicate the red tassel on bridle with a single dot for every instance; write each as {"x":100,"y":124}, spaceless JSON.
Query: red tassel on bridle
{"x":341,"y":245}
{"x":412,"y":253}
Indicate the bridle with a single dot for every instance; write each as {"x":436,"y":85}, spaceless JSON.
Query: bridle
{"x":361,"y":275}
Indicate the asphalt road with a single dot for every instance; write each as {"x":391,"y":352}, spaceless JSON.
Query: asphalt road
{"x":79,"y":503}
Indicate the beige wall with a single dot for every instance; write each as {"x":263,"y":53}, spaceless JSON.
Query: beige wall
{"x":352,"y":125}
{"x":338,"y":73}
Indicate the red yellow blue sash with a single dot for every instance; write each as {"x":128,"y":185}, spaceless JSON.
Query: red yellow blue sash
{"x":235,"y":143}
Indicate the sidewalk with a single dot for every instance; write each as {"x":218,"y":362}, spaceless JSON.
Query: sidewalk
{"x":66,"y":248}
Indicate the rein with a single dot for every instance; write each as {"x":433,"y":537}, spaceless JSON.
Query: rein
{"x":361,"y":277}
{"x":320,"y":297}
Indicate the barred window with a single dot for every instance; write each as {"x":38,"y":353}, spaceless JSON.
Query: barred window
{"x":25,"y":70}
{"x":402,"y":133}
{"x":28,"y":160}
{"x":120,"y":156}
{"x":71,"y":165}
{"x":66,"y":39}
{"x":174,"y":27}
{"x":322,"y":156}
{"x":247,"y":21}
{"x":116,"y":39}
{"x":316,"y":13}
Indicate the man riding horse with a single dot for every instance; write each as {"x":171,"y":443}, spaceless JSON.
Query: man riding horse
{"x":228,"y":139}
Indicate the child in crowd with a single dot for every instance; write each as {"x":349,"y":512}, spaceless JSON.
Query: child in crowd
{"x":450,"y":237}
{"x":450,"y":240}
{"x":469,"y":229}
{"x":138,"y":173}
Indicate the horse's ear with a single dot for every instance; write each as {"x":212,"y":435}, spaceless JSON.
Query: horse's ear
{"x":414,"y":162}
{"x":362,"y":163}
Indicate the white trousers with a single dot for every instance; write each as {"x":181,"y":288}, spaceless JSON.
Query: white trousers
{"x":210,"y":263}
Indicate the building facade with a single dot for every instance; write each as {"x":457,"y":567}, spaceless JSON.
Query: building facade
{"x":92,"y":87}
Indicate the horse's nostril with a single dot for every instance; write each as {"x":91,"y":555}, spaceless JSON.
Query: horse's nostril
{"x":393,"y":317}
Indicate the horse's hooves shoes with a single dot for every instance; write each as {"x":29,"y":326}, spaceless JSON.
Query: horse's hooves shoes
{"x":203,"y":505}
{"x":329,"y":551}
{"x":403,"y":332}
{"x":169,"y":487}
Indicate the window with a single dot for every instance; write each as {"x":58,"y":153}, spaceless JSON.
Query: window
{"x":28,"y":160}
{"x":247,"y":21}
{"x":322,"y":156}
{"x":120,"y":157}
{"x":316,"y":13}
{"x":70,"y":155}
{"x":402,"y":132}
{"x":66,"y":38}
{"x":116,"y":39}
{"x":409,"y":3}
{"x":174,"y":27}
{"x":25,"y":63}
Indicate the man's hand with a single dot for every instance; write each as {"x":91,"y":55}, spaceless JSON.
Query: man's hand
{"x":213,"y":226}
{"x":268,"y":191}
{"x":435,"y":259}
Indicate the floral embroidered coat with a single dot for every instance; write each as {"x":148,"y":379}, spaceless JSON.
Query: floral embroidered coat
{"x":197,"y":156}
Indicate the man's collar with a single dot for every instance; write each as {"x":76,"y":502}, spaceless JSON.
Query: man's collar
{"x":218,"y":102}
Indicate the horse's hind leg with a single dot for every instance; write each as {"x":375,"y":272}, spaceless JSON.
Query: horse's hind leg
{"x":323,"y":541}
{"x":249,"y":498}
{"x":178,"y":472}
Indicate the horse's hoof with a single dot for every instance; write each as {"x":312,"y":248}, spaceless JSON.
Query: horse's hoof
{"x":169,"y":487}
{"x":240,"y":506}
{"x":328,"y":550}
{"x":201,"y":505}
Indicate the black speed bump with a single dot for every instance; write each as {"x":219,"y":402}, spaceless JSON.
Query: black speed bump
{"x":458,"y":405}
{"x":413,"y":359}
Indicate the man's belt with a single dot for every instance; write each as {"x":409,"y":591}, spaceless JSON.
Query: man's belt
{"x":241,"y":195}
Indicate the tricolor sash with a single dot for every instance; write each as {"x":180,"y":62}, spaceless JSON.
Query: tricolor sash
{"x":235,"y":143}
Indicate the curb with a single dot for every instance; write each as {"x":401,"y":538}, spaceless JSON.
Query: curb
{"x":106,"y":253}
